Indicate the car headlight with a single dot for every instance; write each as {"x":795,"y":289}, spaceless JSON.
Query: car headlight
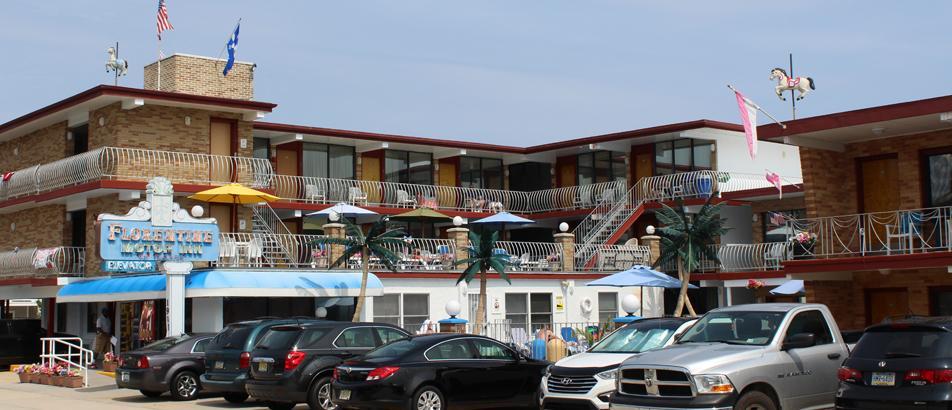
{"x":548,"y":371}
{"x":713,"y":384}
{"x":608,"y":374}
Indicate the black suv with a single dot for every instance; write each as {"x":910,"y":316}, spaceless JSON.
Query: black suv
{"x":294,"y":363}
{"x":905,"y":364}
{"x":228,"y":356}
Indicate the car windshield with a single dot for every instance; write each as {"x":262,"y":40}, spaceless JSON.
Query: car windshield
{"x":232,"y":337}
{"x":734,"y":327}
{"x":899,"y":342}
{"x":394,"y":349}
{"x":636,"y":338}
{"x":279,"y":338}
{"x":165,"y":344}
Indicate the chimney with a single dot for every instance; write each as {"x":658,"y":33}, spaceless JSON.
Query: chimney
{"x":188,"y":74}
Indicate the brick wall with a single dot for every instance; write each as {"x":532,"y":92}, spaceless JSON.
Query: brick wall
{"x":40,"y":227}
{"x":830,"y":177}
{"x":201,"y":76}
{"x":847,"y":299}
{"x":38,"y":147}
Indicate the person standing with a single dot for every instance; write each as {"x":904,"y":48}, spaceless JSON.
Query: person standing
{"x":103,"y":343}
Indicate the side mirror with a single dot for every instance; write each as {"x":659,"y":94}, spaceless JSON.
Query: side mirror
{"x":799,"y":341}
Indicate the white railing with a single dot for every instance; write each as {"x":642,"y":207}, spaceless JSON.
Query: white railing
{"x":613,"y":258}
{"x":878,"y":233}
{"x":418,"y":254}
{"x":544,"y":340}
{"x":75,"y":355}
{"x":61,"y":260}
{"x":391,"y":194}
{"x":532,"y":256}
{"x":740,"y":257}
{"x":137,"y":165}
{"x":257,"y":250}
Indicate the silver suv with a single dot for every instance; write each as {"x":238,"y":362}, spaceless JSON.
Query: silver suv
{"x":761,"y":356}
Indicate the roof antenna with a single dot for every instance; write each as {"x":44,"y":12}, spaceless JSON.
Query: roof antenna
{"x":115,"y":64}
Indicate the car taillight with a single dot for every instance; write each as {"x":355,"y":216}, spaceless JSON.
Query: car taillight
{"x":143,"y":362}
{"x":121,"y":361}
{"x":846,"y":374}
{"x":381,"y":373}
{"x":336,"y":375}
{"x":293,"y":360}
{"x":928,"y":376}
{"x":244,"y":361}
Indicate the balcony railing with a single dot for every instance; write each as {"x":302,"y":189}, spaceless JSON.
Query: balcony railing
{"x":391,"y":194}
{"x":133,"y":164}
{"x":266,"y":250}
{"x":869,"y":234}
{"x":612,"y":258}
{"x":58,"y":261}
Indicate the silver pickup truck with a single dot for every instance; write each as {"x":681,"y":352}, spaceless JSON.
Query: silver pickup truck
{"x":751,"y":357}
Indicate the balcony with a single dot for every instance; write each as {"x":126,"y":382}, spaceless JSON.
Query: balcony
{"x":43,"y":262}
{"x":132,"y":164}
{"x":397,"y":195}
{"x":612,"y":258}
{"x":902,"y":232}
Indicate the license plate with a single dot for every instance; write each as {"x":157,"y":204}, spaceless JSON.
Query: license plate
{"x":124,"y":376}
{"x":219,"y":364}
{"x":262,"y":366}
{"x":883,"y":379}
{"x":344,"y":395}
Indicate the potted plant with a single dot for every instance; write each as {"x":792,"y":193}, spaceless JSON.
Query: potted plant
{"x":803,"y":244}
{"x":59,"y":373}
{"x":23,"y":373}
{"x":33,"y":372}
{"x":46,"y":374}
{"x":71,"y":379}
{"x":109,"y":362}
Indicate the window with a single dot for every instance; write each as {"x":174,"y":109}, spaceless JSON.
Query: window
{"x":201,"y":345}
{"x":480,"y":173}
{"x":311,"y":337}
{"x":530,"y":176}
{"x":682,"y":155}
{"x":811,"y":321}
{"x":327,"y":161}
{"x":774,"y":223}
{"x":359,"y":337}
{"x":410,"y":314}
{"x":600,"y":166}
{"x":534,"y":310}
{"x":940,"y":301}
{"x":937,"y":174}
{"x":388,"y":335}
{"x":415,"y":229}
{"x":458,"y":349}
{"x":607,"y":306}
{"x":491,"y":350}
{"x":408,"y":167}
{"x":261,"y":148}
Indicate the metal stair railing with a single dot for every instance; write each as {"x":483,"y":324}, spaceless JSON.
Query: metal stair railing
{"x":75,"y":356}
{"x":266,"y":221}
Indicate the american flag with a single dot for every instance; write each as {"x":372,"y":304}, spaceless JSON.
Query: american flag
{"x":777,"y":218}
{"x":162,"y":19}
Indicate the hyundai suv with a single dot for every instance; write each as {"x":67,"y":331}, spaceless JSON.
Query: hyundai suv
{"x":294,"y":363}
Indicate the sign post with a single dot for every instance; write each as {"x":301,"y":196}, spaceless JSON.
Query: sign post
{"x":156,"y":231}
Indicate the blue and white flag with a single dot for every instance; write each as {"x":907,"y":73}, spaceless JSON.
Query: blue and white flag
{"x":231,"y":46}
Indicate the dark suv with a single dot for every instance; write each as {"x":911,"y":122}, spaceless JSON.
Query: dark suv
{"x":228,"y":356}
{"x":294,"y":363}
{"x":905,"y":364}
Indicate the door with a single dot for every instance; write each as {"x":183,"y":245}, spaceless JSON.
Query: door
{"x":459,"y":370}
{"x":287,"y":164}
{"x":447,"y":177}
{"x":879,"y":184}
{"x":810,"y":374}
{"x":505,"y":378}
{"x":883,"y":303}
{"x":222,"y":215}
{"x":220,"y":143}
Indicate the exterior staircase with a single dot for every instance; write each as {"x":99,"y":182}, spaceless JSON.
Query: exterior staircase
{"x":274,"y":235}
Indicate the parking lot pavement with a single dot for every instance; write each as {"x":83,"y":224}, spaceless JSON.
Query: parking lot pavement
{"x":101,"y":396}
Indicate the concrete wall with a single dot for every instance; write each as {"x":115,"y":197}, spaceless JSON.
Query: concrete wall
{"x":732,"y":156}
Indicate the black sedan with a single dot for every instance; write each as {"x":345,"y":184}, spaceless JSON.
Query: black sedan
{"x":172,"y":364}
{"x":435,"y":372}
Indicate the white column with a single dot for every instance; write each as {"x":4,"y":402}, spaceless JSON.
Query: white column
{"x":175,"y":273}
{"x":207,"y":315}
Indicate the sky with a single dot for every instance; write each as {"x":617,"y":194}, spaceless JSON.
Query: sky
{"x":508,"y":72}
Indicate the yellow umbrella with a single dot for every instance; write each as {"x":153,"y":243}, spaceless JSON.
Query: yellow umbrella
{"x":233,"y":194}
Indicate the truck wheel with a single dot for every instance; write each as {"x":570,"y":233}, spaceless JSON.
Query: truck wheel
{"x":236,"y":397}
{"x":755,"y":400}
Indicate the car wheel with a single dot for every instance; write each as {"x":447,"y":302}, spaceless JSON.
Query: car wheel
{"x":236,"y":397}
{"x":319,"y":395}
{"x":755,"y":400}
{"x":428,"y":398}
{"x":274,"y":405}
{"x":184,"y":386}
{"x":150,"y":394}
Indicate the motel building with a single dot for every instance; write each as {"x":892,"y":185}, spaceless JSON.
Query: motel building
{"x":83,"y":172}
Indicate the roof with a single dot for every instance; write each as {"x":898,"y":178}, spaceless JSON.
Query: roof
{"x":767,"y":307}
{"x":943,"y":322}
{"x":110,"y":94}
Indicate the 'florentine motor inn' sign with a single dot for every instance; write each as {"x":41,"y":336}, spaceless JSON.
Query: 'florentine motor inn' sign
{"x":135,"y":240}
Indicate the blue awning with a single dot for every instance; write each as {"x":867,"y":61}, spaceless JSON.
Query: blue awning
{"x":223,"y":282}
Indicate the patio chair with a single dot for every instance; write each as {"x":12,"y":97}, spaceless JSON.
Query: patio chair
{"x":228,"y":251}
{"x":255,"y":252}
{"x":909,"y":226}
{"x":404,"y":199}
{"x":774,"y":255}
{"x":520,"y":339}
{"x":314,"y":193}
{"x":356,"y":195}
{"x":568,"y":334}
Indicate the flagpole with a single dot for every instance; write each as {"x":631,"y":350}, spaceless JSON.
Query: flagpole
{"x":228,"y":39}
{"x":793,"y":100}
{"x":158,"y":78}
{"x":782,"y":125}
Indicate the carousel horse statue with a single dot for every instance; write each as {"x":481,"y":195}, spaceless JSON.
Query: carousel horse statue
{"x":116,"y":64}
{"x":784,"y":83}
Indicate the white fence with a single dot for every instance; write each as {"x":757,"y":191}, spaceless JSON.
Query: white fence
{"x":543,"y":341}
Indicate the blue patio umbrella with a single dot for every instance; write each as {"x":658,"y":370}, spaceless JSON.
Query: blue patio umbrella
{"x":791,"y":287}
{"x":501,"y":219}
{"x":642,"y":276}
{"x":357,"y":214}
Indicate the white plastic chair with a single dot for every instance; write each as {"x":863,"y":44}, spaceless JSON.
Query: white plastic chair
{"x":313,"y":193}
{"x":404,"y":199}
{"x":255,"y":252}
{"x":228,"y":251}
{"x":357,"y":195}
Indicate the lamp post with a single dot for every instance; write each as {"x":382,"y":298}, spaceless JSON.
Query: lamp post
{"x":453,"y":324}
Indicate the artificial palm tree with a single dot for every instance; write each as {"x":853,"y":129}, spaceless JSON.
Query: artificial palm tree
{"x":686,"y":239}
{"x":482,"y":258}
{"x":374,"y":243}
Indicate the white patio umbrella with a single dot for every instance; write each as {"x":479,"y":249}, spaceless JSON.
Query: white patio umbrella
{"x":355,"y":213}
